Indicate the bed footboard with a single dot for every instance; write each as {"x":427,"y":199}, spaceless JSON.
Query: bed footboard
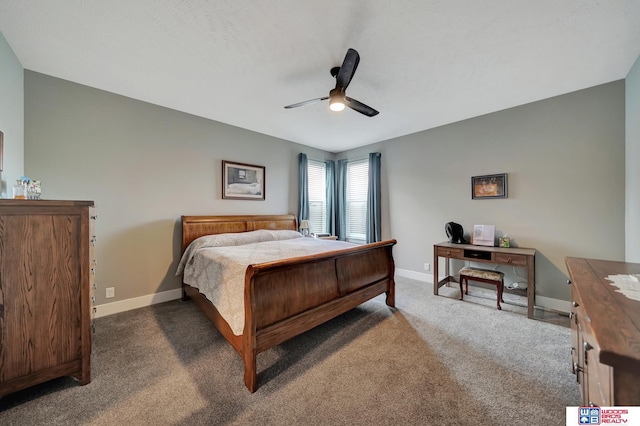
{"x":286,"y":298}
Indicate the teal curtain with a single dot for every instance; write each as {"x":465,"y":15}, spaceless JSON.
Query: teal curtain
{"x":303,"y":188}
{"x":374,"y":209}
{"x":331,"y":195}
{"x":341,"y":200}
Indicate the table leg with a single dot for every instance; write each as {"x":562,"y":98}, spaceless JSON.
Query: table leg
{"x":531,"y":287}
{"x":435,"y":271}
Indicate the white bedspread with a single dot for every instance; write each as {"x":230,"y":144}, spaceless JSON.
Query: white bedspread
{"x":216,"y":264}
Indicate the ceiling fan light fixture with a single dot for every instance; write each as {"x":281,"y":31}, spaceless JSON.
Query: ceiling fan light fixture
{"x":336,"y":100}
{"x":336,"y":105}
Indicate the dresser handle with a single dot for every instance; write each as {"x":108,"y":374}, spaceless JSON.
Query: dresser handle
{"x":509,"y":260}
{"x":94,"y":217}
{"x":568,"y":282}
{"x":587,"y":346}
{"x":93,"y":299}
{"x":577,"y":370}
{"x":591,"y":404}
{"x":571,"y":315}
{"x":574,"y":304}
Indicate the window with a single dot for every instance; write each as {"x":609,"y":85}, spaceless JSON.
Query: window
{"x":317,"y":180}
{"x":356,"y":199}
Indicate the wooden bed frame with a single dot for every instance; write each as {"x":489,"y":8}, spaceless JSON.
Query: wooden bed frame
{"x":288,"y":297}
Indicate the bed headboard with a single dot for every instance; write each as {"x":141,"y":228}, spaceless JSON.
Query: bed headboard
{"x":197,"y":226}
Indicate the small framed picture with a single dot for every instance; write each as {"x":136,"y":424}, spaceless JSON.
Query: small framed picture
{"x":489,"y":186}
{"x":242,"y":181}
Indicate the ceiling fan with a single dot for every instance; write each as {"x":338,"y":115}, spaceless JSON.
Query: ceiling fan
{"x":338,"y":99}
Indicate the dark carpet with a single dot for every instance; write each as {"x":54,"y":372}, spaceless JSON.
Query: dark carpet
{"x":433,"y":361}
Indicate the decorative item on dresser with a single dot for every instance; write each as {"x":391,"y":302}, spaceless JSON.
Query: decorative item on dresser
{"x":46,"y":284}
{"x":284,"y":298}
{"x":605,"y":331}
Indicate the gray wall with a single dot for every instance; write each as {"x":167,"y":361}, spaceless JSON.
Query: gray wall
{"x":633,"y":164}
{"x":144,"y":166}
{"x":11,"y":117}
{"x":565,"y":162}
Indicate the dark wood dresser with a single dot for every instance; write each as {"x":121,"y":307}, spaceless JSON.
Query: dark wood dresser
{"x":605,"y":329}
{"x":46,"y":284}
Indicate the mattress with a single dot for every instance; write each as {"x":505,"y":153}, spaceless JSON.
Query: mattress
{"x":216,"y":264}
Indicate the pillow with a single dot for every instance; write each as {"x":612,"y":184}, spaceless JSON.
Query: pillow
{"x":234,"y":239}
{"x":283,"y":234}
{"x":222,"y":240}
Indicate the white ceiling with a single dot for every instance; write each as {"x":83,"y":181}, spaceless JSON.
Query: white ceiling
{"x":422,"y":63}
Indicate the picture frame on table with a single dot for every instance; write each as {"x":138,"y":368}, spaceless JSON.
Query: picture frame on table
{"x":242,"y":181}
{"x":489,"y":186}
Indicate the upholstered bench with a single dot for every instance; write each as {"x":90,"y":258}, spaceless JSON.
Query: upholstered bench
{"x":482,"y":275}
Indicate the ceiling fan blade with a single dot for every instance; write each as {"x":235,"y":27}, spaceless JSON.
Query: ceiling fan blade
{"x":360,"y":107}
{"x":310,"y":101}
{"x":348,"y":68}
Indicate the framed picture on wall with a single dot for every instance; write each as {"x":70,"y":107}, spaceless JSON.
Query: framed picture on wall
{"x":242,"y":181}
{"x":489,"y":186}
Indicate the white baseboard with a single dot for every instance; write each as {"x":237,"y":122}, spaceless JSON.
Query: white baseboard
{"x":418,"y":276}
{"x":137,"y":302}
{"x":554,"y":304}
{"x":544,"y":302}
{"x":166,"y":296}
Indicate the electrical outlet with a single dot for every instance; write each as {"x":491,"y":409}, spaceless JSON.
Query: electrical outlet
{"x":427,"y":267}
{"x":111,"y":292}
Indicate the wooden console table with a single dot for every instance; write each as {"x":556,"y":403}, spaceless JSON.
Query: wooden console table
{"x":513,"y":256}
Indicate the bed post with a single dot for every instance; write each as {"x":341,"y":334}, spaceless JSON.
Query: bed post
{"x":250,"y":375}
{"x":185,"y":297}
{"x":391,"y":293}
{"x":249,"y":344}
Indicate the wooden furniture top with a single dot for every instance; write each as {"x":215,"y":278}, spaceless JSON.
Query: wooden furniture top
{"x":512,"y":250}
{"x":197,"y":226}
{"x":614,"y":318}
{"x":9,"y":202}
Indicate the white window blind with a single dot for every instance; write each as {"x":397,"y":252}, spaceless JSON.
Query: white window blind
{"x":317,"y":180}
{"x":356,"y":194}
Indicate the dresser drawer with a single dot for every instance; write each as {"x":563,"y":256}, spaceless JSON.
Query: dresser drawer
{"x":449,"y":252}
{"x":599,"y":379}
{"x":511,"y":259}
{"x":598,"y":376}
